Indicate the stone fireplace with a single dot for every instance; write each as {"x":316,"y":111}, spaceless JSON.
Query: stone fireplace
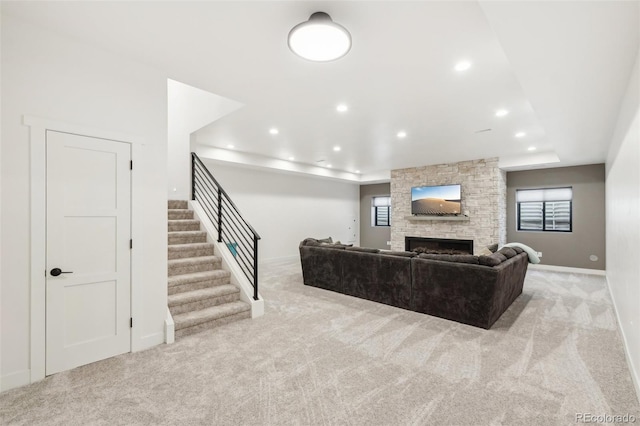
{"x":483,"y":197}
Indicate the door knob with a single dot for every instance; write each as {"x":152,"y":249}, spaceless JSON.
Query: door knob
{"x":57,"y":271}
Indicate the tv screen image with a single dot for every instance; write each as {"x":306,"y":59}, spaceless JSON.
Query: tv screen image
{"x":435,"y":200}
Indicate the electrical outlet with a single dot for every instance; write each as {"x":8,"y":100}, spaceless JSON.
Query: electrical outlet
{"x":539,"y":254}
{"x":388,"y":243}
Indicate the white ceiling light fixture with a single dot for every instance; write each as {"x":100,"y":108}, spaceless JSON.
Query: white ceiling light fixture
{"x":520,"y":135}
{"x":531,"y":148}
{"x":230,"y":146}
{"x":291,"y":158}
{"x":342,"y":108}
{"x":462,"y":66}
{"x":337,"y":148}
{"x":402,"y":134}
{"x":319,"y":39}
{"x":273,"y":131}
{"x":501,"y":112}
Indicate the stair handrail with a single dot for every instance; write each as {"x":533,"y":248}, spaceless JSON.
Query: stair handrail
{"x":215,"y":202}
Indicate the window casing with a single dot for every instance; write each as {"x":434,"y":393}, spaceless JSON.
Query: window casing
{"x":381,"y":211}
{"x":545,"y":210}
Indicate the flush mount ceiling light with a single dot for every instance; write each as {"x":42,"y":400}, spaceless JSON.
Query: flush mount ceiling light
{"x":319,"y":39}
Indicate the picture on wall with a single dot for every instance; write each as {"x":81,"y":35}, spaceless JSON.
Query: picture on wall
{"x":435,"y":200}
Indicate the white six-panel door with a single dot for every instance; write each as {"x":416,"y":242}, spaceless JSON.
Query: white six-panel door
{"x":88,"y":233}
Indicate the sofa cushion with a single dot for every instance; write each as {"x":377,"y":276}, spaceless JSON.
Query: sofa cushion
{"x":508,"y":252}
{"x":309,"y":242}
{"x":333,"y":246}
{"x":364,"y":249}
{"x":494,"y":260}
{"x":399,"y":253}
{"x":460,"y":258}
{"x":533,"y":256}
{"x":517,"y":249}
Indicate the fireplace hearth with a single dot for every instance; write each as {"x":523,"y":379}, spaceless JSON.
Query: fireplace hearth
{"x":438,"y":245}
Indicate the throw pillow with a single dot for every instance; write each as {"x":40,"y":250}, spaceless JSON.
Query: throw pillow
{"x":333,"y":246}
{"x":363,"y":249}
{"x":326,"y":240}
{"x":533,"y":256}
{"x":494,"y":260}
{"x":493,"y":247}
{"x":485,"y":252}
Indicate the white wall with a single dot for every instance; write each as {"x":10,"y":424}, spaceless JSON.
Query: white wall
{"x":59,"y":78}
{"x":623,"y":221}
{"x":285,"y":208}
{"x":189,"y":109}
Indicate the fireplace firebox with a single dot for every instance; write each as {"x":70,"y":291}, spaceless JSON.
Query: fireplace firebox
{"x":421,"y":244}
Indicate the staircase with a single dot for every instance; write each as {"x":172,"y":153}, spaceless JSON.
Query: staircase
{"x":200,"y":293}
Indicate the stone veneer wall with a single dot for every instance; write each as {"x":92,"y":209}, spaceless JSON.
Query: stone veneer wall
{"x":484,"y":197}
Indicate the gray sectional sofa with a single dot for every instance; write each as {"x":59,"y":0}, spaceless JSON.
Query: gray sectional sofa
{"x":473,"y":290}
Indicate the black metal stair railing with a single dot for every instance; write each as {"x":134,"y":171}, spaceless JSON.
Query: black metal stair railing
{"x":233,"y":230}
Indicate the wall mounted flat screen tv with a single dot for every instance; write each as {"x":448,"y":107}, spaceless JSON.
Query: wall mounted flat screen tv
{"x":435,"y":200}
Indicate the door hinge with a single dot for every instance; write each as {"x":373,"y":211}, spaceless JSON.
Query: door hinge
{"x":131,"y":165}
{"x":130,"y":244}
{"x":130,"y":322}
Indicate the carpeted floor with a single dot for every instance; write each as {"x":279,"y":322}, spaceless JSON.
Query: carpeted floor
{"x":318,"y":357}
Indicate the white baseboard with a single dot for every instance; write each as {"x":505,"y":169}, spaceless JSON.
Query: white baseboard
{"x":567,"y":269}
{"x":149,"y":341}
{"x":634,"y":373}
{"x":169,"y":329}
{"x":15,"y":380}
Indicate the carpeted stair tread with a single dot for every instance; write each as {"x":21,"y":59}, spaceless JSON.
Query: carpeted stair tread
{"x":189,"y":265}
{"x":190,"y":319}
{"x":178,"y":251}
{"x":176,"y":214}
{"x":184,"y":225}
{"x":205,"y":293}
{"x":217,"y":275}
{"x":187,"y":237}
{"x":178,"y":204}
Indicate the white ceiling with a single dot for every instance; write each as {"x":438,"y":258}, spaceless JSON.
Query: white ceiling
{"x":560,"y":68}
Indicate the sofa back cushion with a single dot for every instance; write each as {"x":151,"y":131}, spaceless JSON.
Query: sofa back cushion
{"x":364,"y":249}
{"x":399,"y":253}
{"x":460,"y":258}
{"x":508,"y":252}
{"x":494,"y":260}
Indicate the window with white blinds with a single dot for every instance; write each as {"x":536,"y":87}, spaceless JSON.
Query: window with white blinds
{"x":548,"y":209}
{"x":381,"y":211}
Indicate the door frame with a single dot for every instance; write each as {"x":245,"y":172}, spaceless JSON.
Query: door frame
{"x":38,"y":216}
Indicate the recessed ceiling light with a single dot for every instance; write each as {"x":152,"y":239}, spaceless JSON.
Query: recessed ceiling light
{"x":336,"y":148}
{"x":501,"y":112}
{"x":273,"y":131}
{"x":531,"y":148}
{"x":462,"y":66}
{"x":402,"y":134}
{"x":230,"y":146}
{"x":329,"y":165}
{"x":357,"y":171}
{"x":291,"y":158}
{"x":520,"y":135}
{"x":342,"y":108}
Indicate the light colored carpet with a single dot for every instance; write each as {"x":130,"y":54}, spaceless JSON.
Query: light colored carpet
{"x":318,"y":357}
